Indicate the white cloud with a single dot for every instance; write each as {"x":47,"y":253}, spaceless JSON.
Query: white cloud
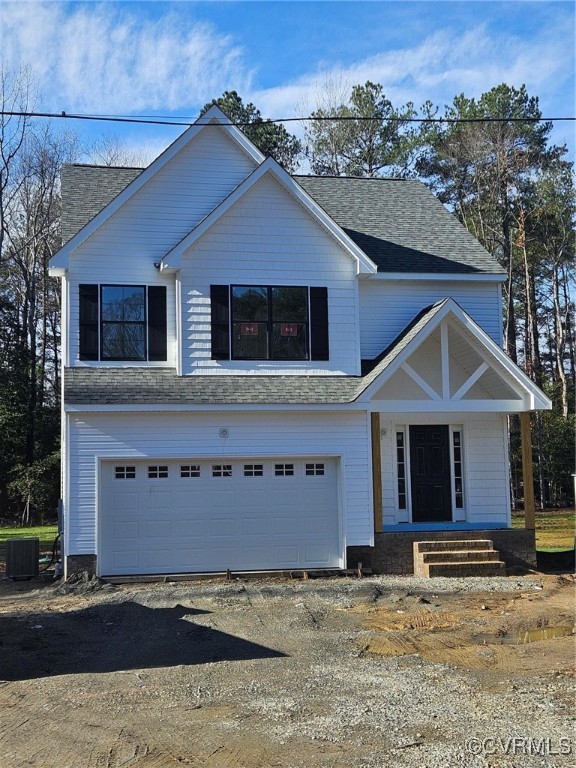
{"x":442,"y":66}
{"x":89,"y":57}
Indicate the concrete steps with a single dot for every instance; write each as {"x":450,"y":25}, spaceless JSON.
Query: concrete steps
{"x":468,"y":557}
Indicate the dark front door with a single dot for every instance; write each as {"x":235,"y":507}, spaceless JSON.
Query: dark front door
{"x":430,"y":474}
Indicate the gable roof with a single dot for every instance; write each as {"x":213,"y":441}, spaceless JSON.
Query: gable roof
{"x":213,"y":116}
{"x":422,"y":327}
{"x":271,"y":168}
{"x":400,"y":224}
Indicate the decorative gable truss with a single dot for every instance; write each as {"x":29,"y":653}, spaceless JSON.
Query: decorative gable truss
{"x":444,"y":362}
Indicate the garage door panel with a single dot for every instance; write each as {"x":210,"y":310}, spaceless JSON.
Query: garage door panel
{"x":125,"y":501}
{"x":125,"y":530}
{"x":184,"y":523}
{"x":191,"y":528}
{"x":155,"y":529}
{"x":159,"y":558}
{"x":125,"y":559}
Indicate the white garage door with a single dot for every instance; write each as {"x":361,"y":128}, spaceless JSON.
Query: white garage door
{"x":191,"y":515}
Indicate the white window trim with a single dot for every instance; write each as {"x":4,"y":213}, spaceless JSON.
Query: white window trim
{"x":458,"y":515}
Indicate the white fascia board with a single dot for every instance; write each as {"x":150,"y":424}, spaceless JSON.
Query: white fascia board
{"x":243,"y":408}
{"x":451,"y":277}
{"x":56,"y":271}
{"x":447,"y":406}
{"x":364,"y":265}
{"x":538,"y":399}
{"x":214,"y":116}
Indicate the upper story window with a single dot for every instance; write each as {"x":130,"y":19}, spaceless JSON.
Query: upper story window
{"x":258,"y":322}
{"x":123,"y":322}
{"x":269,"y":323}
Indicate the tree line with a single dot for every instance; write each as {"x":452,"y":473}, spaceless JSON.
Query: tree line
{"x":498,"y":172}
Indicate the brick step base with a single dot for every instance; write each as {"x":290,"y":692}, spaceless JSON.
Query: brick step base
{"x":470,"y":557}
{"x":479,"y":568}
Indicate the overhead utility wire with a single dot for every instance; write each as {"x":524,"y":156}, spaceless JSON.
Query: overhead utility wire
{"x":314,"y":118}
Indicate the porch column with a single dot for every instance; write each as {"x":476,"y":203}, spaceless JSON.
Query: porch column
{"x":527,"y":473}
{"x":376,"y":471}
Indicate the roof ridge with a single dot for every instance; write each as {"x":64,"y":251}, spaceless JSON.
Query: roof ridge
{"x":107,"y":167}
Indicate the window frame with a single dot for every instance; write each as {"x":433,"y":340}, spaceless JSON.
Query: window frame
{"x":91,"y":323}
{"x":102,"y":322}
{"x":269,"y":323}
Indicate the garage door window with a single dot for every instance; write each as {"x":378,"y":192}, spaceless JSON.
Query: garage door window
{"x":283,"y":470}
{"x":315,"y":469}
{"x":159,"y":471}
{"x":253,"y":470}
{"x":125,"y":473}
{"x":189,"y":470}
{"x":221,"y":470}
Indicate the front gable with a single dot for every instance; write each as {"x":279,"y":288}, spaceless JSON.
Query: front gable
{"x":285,"y":193}
{"x":444,"y":362}
{"x":264,"y":235}
{"x":160,"y":206}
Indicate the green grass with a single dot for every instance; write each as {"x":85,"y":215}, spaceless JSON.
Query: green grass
{"x":555,"y":529}
{"x":46,"y":534}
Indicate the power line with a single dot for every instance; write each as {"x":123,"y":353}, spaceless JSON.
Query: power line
{"x":149,"y":120}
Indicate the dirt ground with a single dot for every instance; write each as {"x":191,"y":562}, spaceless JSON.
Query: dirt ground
{"x":326,"y":673}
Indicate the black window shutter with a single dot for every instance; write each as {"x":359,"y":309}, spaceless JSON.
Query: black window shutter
{"x":319,"y":345}
{"x":220,"y":317}
{"x":88,"y":322}
{"x":157,"y":347}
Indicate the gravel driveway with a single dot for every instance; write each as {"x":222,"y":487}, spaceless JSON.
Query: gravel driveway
{"x":327,"y":673}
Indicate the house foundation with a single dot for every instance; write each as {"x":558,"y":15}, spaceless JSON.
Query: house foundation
{"x":393,"y":553}
{"x":80,"y":564}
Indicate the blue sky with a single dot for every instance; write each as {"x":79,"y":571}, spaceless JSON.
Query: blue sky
{"x":169,"y":58}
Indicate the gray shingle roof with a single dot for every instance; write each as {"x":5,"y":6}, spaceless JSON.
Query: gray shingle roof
{"x":86,"y":190}
{"x":161,"y":386}
{"x":398,"y":223}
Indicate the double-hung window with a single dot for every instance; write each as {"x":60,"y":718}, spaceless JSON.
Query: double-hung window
{"x":265,"y":322}
{"x":122,"y":322}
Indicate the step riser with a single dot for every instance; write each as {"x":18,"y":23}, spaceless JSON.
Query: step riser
{"x":455,"y":557}
{"x":435,"y":546}
{"x":469,"y":569}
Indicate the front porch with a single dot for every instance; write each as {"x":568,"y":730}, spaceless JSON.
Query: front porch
{"x":439,"y":401}
{"x":392,"y":552}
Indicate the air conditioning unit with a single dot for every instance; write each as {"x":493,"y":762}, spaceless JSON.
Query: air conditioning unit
{"x":22,"y":556}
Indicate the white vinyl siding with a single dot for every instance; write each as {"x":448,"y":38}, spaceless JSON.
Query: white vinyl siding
{"x":159,"y":437}
{"x":124,"y":249}
{"x":386,"y":308}
{"x":485,"y":467}
{"x":269,"y":239}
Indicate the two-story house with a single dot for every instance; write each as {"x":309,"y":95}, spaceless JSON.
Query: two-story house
{"x":265,"y":371}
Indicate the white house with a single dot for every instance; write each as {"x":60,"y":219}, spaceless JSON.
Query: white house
{"x":265,"y":371}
